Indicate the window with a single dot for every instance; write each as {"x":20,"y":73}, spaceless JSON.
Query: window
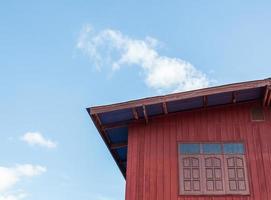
{"x":212,"y":169}
{"x":257,"y":114}
{"x":211,"y":149}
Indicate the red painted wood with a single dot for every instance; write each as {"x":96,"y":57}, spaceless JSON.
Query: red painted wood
{"x":152,"y":170}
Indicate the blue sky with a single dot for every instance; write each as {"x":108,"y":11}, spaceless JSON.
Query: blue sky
{"x":50,"y":72}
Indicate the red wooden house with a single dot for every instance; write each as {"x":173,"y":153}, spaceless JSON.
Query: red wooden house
{"x":212,"y":143}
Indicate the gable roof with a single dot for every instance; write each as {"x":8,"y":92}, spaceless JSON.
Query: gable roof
{"x":112,"y":120}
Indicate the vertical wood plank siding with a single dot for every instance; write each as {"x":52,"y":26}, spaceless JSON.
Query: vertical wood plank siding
{"x":152,"y":169}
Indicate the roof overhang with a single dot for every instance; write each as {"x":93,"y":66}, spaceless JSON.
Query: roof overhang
{"x":112,"y":120}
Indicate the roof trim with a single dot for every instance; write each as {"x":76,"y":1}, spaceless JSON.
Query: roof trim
{"x":180,"y":96}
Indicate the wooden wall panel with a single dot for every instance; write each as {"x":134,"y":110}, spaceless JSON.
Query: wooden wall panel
{"x":152,"y":170}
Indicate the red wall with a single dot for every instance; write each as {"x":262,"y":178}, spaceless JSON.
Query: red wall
{"x":152,"y":169}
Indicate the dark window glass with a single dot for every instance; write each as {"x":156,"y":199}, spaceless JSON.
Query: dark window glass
{"x":232,"y":148}
{"x":211,"y":148}
{"x":190,"y":148}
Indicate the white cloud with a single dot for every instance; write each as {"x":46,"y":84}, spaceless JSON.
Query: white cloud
{"x":13,"y":196}
{"x":36,"y":138}
{"x":162,"y":73}
{"x":10,"y":176}
{"x":30,"y":170}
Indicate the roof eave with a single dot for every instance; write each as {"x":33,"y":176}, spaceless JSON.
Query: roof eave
{"x":181,"y":96}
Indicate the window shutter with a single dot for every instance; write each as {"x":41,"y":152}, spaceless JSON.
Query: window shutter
{"x":213,"y":169}
{"x":213,"y":174}
{"x":190,"y":174}
{"x":236,"y":175}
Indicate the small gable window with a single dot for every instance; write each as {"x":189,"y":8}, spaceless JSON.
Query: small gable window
{"x":212,"y":169}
